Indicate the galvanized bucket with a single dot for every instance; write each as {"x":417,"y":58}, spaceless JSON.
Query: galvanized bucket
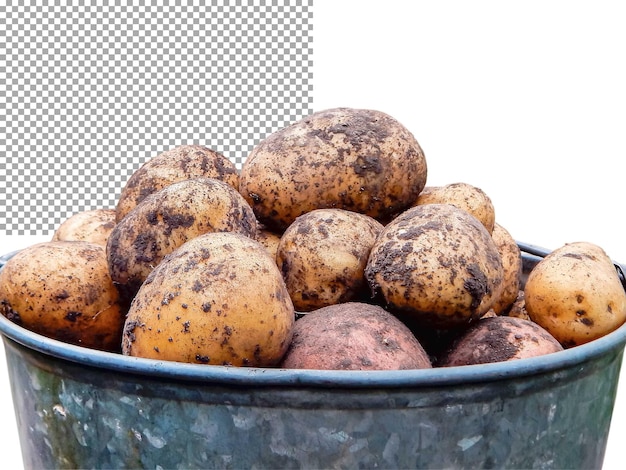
{"x":81,"y":408}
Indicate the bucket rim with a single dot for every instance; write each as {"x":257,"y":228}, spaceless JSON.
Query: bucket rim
{"x":266,"y":376}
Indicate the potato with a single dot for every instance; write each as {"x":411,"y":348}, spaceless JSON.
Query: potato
{"x":218,"y":299}
{"x":464,"y":196}
{"x":168,"y":218}
{"x":93,"y":226}
{"x":62,"y":290}
{"x":436,"y":264}
{"x":498,"y":339}
{"x":575,"y":293}
{"x":268,"y":238}
{"x":512,"y":263}
{"x":518,"y":309}
{"x":354,"y":159}
{"x":490,"y":313}
{"x":353,"y":336}
{"x":173,"y":165}
{"x":322,"y":256}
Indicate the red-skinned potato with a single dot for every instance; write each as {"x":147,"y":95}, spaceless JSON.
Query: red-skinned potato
{"x":353,"y":336}
{"x":500,"y":338}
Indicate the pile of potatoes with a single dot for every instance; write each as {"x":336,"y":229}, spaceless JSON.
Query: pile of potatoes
{"x":327,"y":250}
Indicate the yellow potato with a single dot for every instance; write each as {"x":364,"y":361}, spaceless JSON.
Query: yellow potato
{"x":354,"y":159}
{"x":217,"y":299}
{"x":322,"y":256}
{"x":576,"y":294}
{"x":90,"y":226}
{"x":437,"y":265}
{"x":168,"y":218}
{"x":512,"y":264}
{"x":173,"y":165}
{"x":464,"y":196}
{"x":62,"y":290}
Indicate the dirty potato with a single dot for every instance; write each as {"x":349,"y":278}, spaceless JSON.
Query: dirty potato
{"x":218,"y":299}
{"x":173,"y":165}
{"x":512,"y":263}
{"x":436,"y":264}
{"x":268,"y":238}
{"x":575,"y":293}
{"x":498,"y":339}
{"x":322,"y":256}
{"x":354,"y":159}
{"x":93,"y":226}
{"x":353,"y":336}
{"x":168,"y":218}
{"x":464,"y":196}
{"x":518,"y":308}
{"x":62,"y":290}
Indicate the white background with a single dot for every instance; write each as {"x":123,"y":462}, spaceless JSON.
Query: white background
{"x":525,"y":100}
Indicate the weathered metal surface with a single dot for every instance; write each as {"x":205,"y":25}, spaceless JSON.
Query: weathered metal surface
{"x":72,"y":416}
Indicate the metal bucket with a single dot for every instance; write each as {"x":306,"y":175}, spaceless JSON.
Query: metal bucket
{"x":81,"y":408}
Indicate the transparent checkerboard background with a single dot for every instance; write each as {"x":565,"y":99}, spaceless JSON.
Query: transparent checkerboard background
{"x":91,"y":90}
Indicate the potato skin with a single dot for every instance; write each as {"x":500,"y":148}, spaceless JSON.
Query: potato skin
{"x":268,"y":239}
{"x":498,"y":339}
{"x":353,"y":336}
{"x":62,"y":290}
{"x":518,"y":308}
{"x":322,"y":256}
{"x":437,"y":265}
{"x":93,"y":226}
{"x":512,"y":263}
{"x":168,"y":218}
{"x":217,"y":299}
{"x":354,"y":159}
{"x":173,"y":165}
{"x":575,"y":294}
{"x":464,"y":196}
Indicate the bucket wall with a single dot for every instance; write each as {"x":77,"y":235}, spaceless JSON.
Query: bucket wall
{"x":73,"y":416}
